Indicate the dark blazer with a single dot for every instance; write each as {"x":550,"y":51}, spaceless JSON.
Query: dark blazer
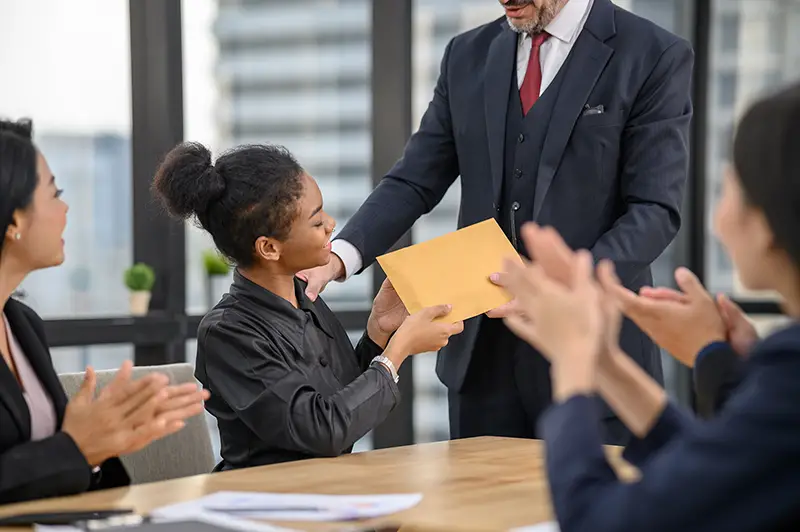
{"x":718,"y":370}
{"x":612,"y":182}
{"x":738,"y":471}
{"x":285,"y":382}
{"x":53,"y":466}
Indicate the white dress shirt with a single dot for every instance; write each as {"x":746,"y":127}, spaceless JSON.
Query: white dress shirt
{"x":564,"y":31}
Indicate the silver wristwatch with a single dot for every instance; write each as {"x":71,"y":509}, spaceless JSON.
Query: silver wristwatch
{"x":388,"y":364}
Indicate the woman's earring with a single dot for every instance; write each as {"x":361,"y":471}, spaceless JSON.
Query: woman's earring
{"x":17,"y":236}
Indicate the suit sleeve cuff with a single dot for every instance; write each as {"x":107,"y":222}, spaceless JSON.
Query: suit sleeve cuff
{"x":670,"y":423}
{"x":713,"y":346}
{"x":572,"y":429}
{"x":717,"y":370}
{"x":350,"y":256}
{"x":574,"y":451}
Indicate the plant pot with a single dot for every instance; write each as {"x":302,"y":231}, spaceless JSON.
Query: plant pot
{"x":139,"y":303}
{"x":216,"y":287}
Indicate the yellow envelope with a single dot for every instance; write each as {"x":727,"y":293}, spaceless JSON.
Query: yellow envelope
{"x":452,"y":269}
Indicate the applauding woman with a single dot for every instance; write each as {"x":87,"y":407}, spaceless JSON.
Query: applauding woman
{"x":285,"y":381}
{"x":48,"y":446}
{"x":739,"y":470}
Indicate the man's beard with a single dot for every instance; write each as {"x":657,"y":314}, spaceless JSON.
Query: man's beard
{"x":545,"y":16}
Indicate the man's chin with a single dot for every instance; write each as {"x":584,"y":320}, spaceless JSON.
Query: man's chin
{"x":522,"y":25}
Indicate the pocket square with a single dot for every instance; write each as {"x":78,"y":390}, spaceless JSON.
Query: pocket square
{"x":588,"y":110}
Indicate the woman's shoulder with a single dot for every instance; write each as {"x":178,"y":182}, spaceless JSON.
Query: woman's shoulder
{"x":240,"y":324}
{"x":781,"y":347}
{"x":18,"y":309}
{"x":787,"y":337}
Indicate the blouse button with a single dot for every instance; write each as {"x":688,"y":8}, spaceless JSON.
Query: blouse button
{"x":323,"y":361}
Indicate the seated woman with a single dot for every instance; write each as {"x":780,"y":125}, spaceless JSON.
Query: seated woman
{"x":739,"y":470}
{"x":48,"y":446}
{"x":285,"y":381}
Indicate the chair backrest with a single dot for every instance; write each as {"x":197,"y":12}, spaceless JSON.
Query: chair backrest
{"x":185,"y":453}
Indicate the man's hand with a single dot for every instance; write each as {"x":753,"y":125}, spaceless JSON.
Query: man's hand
{"x":388,"y":314}
{"x":319,"y":277}
{"x":506,"y":310}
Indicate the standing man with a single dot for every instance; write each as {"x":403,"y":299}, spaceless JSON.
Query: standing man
{"x":571,"y":113}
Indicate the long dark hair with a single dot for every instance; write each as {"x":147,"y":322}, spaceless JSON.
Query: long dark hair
{"x":250,"y":191}
{"x":18,"y":177}
{"x":766,"y":156}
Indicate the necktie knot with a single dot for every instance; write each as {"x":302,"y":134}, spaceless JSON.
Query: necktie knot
{"x":539,"y":38}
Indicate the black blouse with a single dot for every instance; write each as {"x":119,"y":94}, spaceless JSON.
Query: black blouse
{"x":286,"y":383}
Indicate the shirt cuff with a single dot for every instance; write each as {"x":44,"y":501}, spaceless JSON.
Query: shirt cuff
{"x":350,"y":257}
{"x":713,"y":346}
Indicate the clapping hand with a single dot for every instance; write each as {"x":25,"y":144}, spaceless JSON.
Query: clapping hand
{"x":740,"y":333}
{"x":562,"y":315}
{"x":128,"y":415}
{"x":680,"y":322}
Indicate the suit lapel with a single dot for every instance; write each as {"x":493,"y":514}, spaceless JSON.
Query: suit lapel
{"x":583,"y":67}
{"x":10,"y":391}
{"x":500,"y":64}
{"x":33,"y":346}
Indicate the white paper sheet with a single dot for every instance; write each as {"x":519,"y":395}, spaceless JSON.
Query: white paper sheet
{"x":292,"y":507}
{"x":223,"y":521}
{"x":549,"y":526}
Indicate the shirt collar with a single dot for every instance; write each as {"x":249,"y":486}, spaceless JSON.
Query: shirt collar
{"x":274,"y":304}
{"x":569,"y":21}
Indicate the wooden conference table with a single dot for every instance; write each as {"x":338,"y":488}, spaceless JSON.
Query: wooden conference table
{"x":473,"y":484}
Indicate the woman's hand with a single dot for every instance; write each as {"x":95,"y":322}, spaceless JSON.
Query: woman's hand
{"x":741,"y":334}
{"x":388,"y":313}
{"x":127,"y":415}
{"x":681,"y":325}
{"x":422,"y":332}
{"x":557,"y":261}
{"x":563,"y":321}
{"x":612,"y":317}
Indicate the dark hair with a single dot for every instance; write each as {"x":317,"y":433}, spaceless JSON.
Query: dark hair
{"x":250,"y":191}
{"x":18,"y":176}
{"x":766,"y":156}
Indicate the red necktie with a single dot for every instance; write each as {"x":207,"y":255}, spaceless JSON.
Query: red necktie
{"x":529,"y":91}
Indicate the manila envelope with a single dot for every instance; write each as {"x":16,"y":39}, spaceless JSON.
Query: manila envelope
{"x":452,"y":269}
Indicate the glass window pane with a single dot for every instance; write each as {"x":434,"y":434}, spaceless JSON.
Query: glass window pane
{"x":81,"y":117}
{"x":435,"y":23}
{"x":757,"y":50}
{"x":100,"y":357}
{"x":251,"y":77}
{"x":767,"y":324}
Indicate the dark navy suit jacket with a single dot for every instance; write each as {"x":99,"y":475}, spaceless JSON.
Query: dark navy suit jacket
{"x":610,"y":182}
{"x":738,"y":471}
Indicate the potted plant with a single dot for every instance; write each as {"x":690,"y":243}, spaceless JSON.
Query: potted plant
{"x":217,"y":270}
{"x":139,"y":279}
